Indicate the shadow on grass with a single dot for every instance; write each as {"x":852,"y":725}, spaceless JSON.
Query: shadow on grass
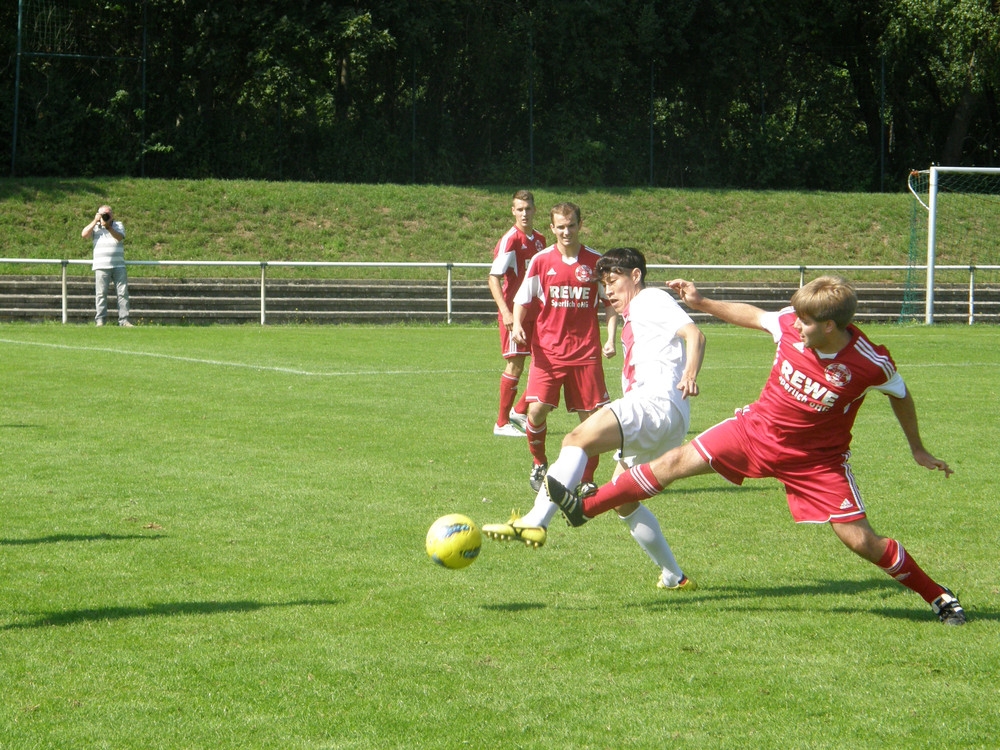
{"x":58,"y":538}
{"x":513,"y":607}
{"x":172,"y":609}
{"x":872,"y":589}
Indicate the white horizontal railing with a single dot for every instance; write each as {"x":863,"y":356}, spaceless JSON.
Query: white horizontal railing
{"x":801,"y":269}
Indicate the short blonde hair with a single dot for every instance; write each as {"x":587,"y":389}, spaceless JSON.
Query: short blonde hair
{"x":827,"y":298}
{"x":565,"y":209}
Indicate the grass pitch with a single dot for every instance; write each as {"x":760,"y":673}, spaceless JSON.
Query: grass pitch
{"x":213,"y":538}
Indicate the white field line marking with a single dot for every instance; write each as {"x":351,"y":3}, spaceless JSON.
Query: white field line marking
{"x":243,"y":365}
{"x":368,"y":373}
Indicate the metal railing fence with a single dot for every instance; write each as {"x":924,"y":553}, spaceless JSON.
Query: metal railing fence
{"x":448,"y":267}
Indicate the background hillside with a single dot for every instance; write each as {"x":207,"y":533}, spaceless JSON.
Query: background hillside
{"x":272,"y":221}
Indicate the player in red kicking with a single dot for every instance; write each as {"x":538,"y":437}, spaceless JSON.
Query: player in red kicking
{"x":511,"y":256}
{"x":798,"y":431}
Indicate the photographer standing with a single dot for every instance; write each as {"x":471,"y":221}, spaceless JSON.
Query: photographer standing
{"x":109,"y":263}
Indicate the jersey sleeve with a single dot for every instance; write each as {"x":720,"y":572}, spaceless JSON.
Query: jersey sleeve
{"x":894,"y":386}
{"x":531,"y":288}
{"x":772,"y":322}
{"x":502,"y":263}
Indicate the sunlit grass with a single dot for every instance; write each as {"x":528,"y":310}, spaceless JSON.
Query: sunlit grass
{"x":213,"y":537}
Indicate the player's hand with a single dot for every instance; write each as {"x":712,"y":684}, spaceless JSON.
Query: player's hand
{"x":508,"y":320}
{"x":517,"y":333}
{"x":687,"y":387}
{"x":687,"y":292}
{"x":928,"y":461}
{"x":609,"y":350}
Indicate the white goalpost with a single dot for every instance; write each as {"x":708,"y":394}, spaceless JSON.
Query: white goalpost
{"x":957,"y":200}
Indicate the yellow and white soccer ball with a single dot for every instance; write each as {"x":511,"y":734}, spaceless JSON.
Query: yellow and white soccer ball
{"x":453,"y":541}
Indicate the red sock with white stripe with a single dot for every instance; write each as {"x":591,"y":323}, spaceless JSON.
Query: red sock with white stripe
{"x":508,"y":392}
{"x":635,"y":485}
{"x":536,"y":441}
{"x":898,"y":564}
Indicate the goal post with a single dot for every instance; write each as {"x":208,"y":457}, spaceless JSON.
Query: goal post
{"x":960,"y":203}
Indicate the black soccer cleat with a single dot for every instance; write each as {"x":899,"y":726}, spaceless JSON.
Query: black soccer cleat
{"x":567,"y":500}
{"x":948,"y":609}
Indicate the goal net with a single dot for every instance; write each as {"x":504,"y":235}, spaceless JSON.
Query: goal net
{"x":954,"y":226}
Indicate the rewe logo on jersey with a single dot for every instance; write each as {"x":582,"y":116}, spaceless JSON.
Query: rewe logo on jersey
{"x":581,"y":293}
{"x":804,"y":389}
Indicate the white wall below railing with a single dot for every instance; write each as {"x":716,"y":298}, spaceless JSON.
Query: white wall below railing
{"x":797,"y":272}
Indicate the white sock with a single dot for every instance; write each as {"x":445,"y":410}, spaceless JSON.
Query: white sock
{"x":568,"y":469}
{"x":645,"y":529}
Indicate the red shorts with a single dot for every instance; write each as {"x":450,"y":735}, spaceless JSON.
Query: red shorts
{"x":818,"y":490}
{"x":510,"y":348}
{"x":583,"y":385}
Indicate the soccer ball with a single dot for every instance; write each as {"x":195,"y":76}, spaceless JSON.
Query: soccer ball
{"x":453,"y":541}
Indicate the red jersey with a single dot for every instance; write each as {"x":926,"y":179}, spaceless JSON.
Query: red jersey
{"x":567,"y":329}
{"x":810,"y":401}
{"x":511,"y":256}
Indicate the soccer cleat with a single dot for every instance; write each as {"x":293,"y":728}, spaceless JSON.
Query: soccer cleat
{"x":507,"y":430}
{"x":948,"y":609}
{"x":520,"y":421}
{"x":685,"y":584}
{"x":513,"y":531}
{"x":537,"y":476}
{"x":585,"y":490}
{"x":568,"y":502}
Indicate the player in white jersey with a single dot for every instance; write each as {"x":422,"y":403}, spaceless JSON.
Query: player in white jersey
{"x":663,"y":351}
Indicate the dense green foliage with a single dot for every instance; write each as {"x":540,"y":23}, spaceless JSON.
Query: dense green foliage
{"x":757,"y":94}
{"x":213,"y":538}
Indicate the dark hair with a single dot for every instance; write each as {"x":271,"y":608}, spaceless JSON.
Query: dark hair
{"x":524,"y":195}
{"x":622,"y":260}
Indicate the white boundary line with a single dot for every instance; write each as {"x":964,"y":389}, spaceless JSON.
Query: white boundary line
{"x":369,"y":373}
{"x":242,"y":365}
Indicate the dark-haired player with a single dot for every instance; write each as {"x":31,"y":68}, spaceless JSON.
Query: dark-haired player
{"x":663,"y":351}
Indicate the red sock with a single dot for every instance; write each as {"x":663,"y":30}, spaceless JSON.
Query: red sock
{"x":898,"y":564}
{"x":635,"y":485}
{"x":590,"y":468}
{"x":536,"y":441}
{"x":521,"y":407}
{"x":508,"y":392}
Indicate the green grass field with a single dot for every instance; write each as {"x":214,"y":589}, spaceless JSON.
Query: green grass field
{"x":212,"y":537}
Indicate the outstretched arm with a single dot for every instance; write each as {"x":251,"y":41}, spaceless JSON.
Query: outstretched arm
{"x":906,"y":415}
{"x":737,"y":313}
{"x":694,"y":344}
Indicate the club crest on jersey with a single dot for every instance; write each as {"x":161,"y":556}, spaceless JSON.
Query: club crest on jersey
{"x":837,"y":374}
{"x":584,"y":274}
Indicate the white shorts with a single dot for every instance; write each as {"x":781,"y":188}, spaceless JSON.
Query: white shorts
{"x":651,"y":425}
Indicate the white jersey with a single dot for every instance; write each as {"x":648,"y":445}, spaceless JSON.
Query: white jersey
{"x":654,"y":416}
{"x":655,"y":356}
